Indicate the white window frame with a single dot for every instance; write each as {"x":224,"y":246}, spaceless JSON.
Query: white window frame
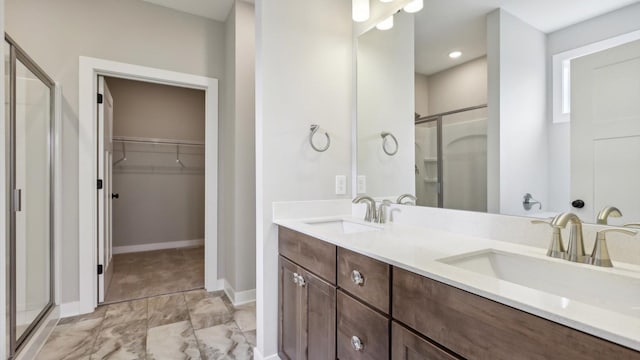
{"x":562,"y":72}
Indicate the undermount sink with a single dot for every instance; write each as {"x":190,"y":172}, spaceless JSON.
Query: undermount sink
{"x":344,"y":226}
{"x":604,"y":289}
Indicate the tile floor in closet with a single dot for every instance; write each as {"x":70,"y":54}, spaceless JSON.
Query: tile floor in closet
{"x":144,"y":274}
{"x":186,"y":325}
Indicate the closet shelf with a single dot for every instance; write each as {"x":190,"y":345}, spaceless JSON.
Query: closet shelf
{"x":140,"y":140}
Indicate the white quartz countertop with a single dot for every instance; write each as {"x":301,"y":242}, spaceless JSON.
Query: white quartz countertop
{"x":417,"y":249}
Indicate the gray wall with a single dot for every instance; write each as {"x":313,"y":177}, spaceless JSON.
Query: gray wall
{"x":159,"y":201}
{"x":56,"y":33}
{"x":458,"y":87}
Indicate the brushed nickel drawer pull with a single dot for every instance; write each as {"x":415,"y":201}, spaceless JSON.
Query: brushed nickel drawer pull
{"x":357,"y":278}
{"x":356,"y":343}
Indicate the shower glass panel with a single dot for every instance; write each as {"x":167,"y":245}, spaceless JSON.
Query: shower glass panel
{"x":32,"y":178}
{"x":464,"y":160}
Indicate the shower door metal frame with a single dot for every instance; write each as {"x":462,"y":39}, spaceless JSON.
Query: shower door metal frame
{"x":18,"y":54}
{"x":438,"y":118}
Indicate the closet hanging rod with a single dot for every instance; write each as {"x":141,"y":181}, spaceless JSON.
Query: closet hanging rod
{"x":136,"y":140}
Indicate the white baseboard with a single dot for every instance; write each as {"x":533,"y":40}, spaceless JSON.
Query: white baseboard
{"x":257,"y":355}
{"x":239,"y":297}
{"x":157,"y":246}
{"x":70,"y":309}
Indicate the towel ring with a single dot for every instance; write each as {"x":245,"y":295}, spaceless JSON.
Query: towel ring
{"x":314,"y":129}
{"x":384,"y":136}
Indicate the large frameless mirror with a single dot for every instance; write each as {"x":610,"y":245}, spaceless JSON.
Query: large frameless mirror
{"x":504,"y":108}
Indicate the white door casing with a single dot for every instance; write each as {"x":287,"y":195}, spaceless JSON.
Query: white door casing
{"x":605,"y":131}
{"x":89,"y":70}
{"x":105,"y":161}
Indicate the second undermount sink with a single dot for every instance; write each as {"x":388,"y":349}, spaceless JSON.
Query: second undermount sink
{"x":602,"y":288}
{"x":344,"y":226}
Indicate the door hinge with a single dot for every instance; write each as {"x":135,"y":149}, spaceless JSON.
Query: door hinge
{"x":100,"y":185}
{"x":100,"y":98}
{"x":100,"y":270}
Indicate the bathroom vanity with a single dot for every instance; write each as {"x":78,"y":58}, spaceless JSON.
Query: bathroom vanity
{"x":350,"y":296}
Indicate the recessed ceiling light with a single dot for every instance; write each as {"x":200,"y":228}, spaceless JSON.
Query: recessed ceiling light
{"x":455,"y":54}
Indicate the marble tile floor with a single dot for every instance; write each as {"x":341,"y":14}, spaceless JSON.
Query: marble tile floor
{"x":152,"y":273}
{"x":186,"y":325}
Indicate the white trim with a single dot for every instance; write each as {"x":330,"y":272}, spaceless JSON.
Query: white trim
{"x":239,"y":297}
{"x":559,"y":60}
{"x":157,"y":246}
{"x":257,"y":355}
{"x":89,"y":69}
{"x":69,"y":309}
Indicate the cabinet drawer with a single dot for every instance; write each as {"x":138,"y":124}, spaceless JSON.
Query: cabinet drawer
{"x":315,"y":255}
{"x":365,"y":278}
{"x":478,"y":328}
{"x":405,"y":345}
{"x":359,"y":324}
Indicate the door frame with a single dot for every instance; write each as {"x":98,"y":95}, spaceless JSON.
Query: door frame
{"x":89,"y":69}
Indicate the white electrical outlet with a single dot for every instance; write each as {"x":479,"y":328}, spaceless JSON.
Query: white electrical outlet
{"x":341,"y":185}
{"x":362,"y":184}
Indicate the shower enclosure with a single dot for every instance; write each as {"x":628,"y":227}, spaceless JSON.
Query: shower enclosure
{"x":451,"y":159}
{"x":29,"y":114}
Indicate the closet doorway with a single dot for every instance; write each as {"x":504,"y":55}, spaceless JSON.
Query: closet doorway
{"x":151,"y":210}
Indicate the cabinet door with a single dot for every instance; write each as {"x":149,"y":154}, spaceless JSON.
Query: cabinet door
{"x":290,"y":312}
{"x":318,"y":317}
{"x":405,"y":345}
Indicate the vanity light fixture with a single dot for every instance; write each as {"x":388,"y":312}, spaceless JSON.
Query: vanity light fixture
{"x":455,"y":54}
{"x":360,"y":10}
{"x":414,"y":6}
{"x":385,"y":24}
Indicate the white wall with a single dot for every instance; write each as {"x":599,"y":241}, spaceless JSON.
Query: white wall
{"x":159,"y":201}
{"x":237,"y":204}
{"x":518,"y":75}
{"x":386,"y":103}
{"x":126,"y":31}
{"x":303,"y":76}
{"x":600,"y":28}
{"x":459,"y":87}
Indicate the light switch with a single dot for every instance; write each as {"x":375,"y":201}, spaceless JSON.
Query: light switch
{"x":341,"y":185}
{"x":362,"y":184}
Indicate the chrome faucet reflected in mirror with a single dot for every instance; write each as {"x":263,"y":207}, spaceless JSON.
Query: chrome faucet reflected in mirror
{"x":407,"y":199}
{"x":609,"y":211}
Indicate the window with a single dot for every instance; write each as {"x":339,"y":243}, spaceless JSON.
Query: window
{"x":562,"y":72}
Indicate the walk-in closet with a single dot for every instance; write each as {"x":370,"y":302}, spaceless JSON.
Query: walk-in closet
{"x":154,"y":179}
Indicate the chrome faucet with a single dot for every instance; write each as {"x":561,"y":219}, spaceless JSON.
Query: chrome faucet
{"x":382,"y":212}
{"x":370,"y":215}
{"x":575,"y":251}
{"x":603,"y":215}
{"x":556,"y":247}
{"x":600,"y":254}
{"x":412,"y":199}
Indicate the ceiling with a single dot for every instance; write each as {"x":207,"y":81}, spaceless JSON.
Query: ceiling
{"x":212,"y":9}
{"x":447,"y":25}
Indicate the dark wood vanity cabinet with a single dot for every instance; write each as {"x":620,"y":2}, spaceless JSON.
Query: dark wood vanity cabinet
{"x":307,"y":314}
{"x":349,"y":306}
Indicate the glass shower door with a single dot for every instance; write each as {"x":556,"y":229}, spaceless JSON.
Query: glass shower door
{"x":30,"y":93}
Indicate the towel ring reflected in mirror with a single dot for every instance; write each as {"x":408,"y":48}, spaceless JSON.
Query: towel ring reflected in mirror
{"x":314,"y":129}
{"x":385,"y":135}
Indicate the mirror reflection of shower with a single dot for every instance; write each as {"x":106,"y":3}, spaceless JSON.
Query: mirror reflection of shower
{"x":451,"y":159}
